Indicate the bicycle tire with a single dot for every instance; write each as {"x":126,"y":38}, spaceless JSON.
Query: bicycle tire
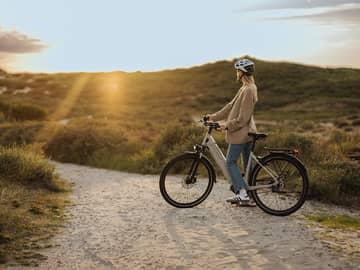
{"x":271,"y":158}
{"x":190,"y":156}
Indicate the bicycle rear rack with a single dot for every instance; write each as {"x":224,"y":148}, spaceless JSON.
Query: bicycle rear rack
{"x":294,"y":151}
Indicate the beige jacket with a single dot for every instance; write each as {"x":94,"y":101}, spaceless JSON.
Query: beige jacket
{"x":238,"y":114}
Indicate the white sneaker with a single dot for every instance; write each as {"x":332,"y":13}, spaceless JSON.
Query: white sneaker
{"x":239,"y":198}
{"x":243,"y":195}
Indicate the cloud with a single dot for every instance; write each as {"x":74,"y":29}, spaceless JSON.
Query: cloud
{"x":300,"y":4}
{"x":6,"y":61}
{"x":343,"y":15}
{"x":18,"y":43}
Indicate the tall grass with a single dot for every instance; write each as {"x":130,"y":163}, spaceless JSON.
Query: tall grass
{"x":29,"y":167}
{"x":32,"y":201}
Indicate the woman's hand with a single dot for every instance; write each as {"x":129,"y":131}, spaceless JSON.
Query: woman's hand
{"x":209,"y":116}
{"x":222,"y":127}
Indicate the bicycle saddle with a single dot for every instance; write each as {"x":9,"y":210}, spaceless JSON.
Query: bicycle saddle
{"x":257,"y":136}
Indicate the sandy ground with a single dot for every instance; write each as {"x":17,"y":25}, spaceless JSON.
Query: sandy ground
{"x":120,"y":221}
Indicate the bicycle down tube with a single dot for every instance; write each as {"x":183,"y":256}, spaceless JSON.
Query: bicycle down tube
{"x":217,"y":154}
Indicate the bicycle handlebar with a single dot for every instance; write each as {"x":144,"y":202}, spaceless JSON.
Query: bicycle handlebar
{"x":213,"y":125}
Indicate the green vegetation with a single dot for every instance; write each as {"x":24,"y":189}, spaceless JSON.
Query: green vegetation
{"x":337,"y":222}
{"x":28,"y":167}
{"x":286,"y":92}
{"x":333,"y":177}
{"x":32,"y":201}
{"x":21,"y":112}
{"x":92,"y":143}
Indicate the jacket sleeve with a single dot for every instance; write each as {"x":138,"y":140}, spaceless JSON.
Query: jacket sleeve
{"x":246,"y":110}
{"x":223,"y":113}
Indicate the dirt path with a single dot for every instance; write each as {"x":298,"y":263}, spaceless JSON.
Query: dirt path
{"x":120,"y":221}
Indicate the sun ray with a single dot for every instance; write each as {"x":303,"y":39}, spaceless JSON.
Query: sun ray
{"x":112,"y":96}
{"x":48,"y":131}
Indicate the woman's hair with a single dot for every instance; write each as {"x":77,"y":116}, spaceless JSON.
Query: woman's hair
{"x":248,"y":79}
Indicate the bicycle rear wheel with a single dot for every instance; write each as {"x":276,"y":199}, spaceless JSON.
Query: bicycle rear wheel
{"x":287,"y":196}
{"x":186,"y":180}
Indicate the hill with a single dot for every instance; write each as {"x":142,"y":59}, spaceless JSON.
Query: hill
{"x":286,"y":91}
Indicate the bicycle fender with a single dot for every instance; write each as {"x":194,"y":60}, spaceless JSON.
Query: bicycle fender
{"x":206,"y":160}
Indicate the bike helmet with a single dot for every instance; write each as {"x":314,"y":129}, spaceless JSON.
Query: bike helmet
{"x":245,"y":65}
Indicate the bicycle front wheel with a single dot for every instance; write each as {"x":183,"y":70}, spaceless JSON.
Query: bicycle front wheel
{"x":289,"y":194}
{"x":186,"y":180}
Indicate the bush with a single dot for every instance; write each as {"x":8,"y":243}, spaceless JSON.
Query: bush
{"x":356,"y":122}
{"x":29,"y":166}
{"x":335,"y":180}
{"x":282,"y":139}
{"x":21,"y":112}
{"x":18,"y":134}
{"x":176,"y":139}
{"x":82,"y":141}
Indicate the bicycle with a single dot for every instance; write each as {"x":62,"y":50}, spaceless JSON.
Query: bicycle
{"x":278,"y":183}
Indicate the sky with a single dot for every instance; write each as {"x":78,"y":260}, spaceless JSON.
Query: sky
{"x":150,"y":35}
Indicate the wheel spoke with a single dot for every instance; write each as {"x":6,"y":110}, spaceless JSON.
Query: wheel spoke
{"x":284,"y":196}
{"x":180,"y":188}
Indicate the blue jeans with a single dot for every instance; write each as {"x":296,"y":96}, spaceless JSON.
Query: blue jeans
{"x":232,"y":157}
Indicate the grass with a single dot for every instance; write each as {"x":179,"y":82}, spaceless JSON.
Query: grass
{"x":337,"y":221}
{"x":32,"y":202}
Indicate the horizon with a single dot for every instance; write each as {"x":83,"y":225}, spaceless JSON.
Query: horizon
{"x":148,"y":37}
{"x":182,"y":68}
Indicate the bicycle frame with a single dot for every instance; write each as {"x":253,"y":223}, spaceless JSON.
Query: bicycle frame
{"x":220,"y":160}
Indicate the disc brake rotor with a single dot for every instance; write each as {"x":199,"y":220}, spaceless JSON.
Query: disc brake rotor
{"x":188,"y":182}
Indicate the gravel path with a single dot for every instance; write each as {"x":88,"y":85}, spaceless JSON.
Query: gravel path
{"x":120,"y":221}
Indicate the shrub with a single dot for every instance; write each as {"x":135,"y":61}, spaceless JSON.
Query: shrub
{"x":21,"y":112}
{"x":281,"y":139}
{"x":356,"y":122}
{"x":335,"y":180}
{"x":308,"y":125}
{"x":29,"y":166}
{"x":176,"y":139}
{"x":82,"y":140}
{"x":341,"y":124}
{"x":18,"y":134}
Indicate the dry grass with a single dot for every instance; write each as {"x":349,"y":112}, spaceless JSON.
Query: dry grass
{"x":31,"y":205}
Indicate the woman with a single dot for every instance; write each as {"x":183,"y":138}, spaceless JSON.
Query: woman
{"x":238,"y":114}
